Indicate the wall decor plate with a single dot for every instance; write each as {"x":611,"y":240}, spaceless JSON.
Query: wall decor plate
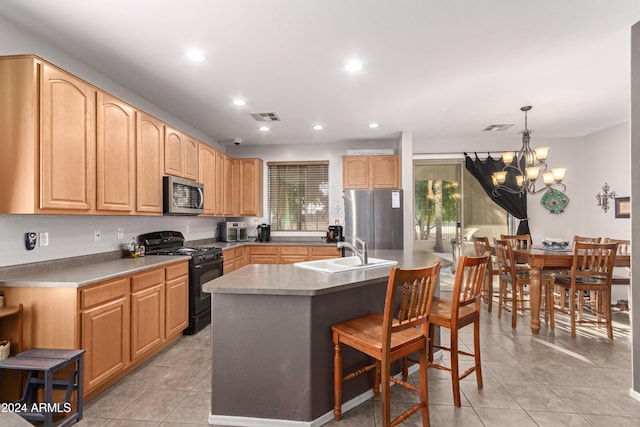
{"x":554,"y":201}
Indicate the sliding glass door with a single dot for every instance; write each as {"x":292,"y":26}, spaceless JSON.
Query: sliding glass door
{"x":450,"y":207}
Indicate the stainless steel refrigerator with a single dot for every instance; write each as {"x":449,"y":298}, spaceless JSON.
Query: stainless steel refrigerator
{"x":374,"y":216}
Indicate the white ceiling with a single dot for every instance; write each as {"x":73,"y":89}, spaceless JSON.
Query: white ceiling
{"x":441,"y":69}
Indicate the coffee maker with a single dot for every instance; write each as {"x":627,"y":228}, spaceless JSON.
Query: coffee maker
{"x":263,"y":233}
{"x":335,"y":234}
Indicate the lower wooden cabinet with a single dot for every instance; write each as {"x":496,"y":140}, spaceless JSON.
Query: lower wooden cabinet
{"x":105,"y":331}
{"x":176,"y":299}
{"x":286,"y":254}
{"x":125,"y":321}
{"x":147,"y":312}
{"x":229,"y":260}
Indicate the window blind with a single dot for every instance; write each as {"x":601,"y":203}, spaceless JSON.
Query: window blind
{"x":298,"y":195}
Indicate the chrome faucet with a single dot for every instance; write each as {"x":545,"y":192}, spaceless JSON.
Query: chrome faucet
{"x":362,"y":254}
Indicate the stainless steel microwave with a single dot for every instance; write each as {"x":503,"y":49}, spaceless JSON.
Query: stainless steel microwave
{"x":182,"y":196}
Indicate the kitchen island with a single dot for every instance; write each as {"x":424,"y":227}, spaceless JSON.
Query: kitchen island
{"x":271,"y":340}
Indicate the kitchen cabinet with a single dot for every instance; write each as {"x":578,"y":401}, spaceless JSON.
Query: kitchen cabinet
{"x":262,"y":254}
{"x":230,"y":187}
{"x":180,"y":154}
{"x":147,"y":312}
{"x":229,"y":260}
{"x":207,"y":176}
{"x":240,"y":259}
{"x":371,"y":172}
{"x":149,"y":164}
{"x":115,"y":155}
{"x":14,"y":336}
{"x":104,"y":325}
{"x":291,"y":254}
{"x":323,"y":252}
{"x":219,"y":184}
{"x":251,"y":181}
{"x":176,"y":299}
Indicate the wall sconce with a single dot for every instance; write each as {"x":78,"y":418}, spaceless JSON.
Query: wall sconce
{"x":604,"y":197}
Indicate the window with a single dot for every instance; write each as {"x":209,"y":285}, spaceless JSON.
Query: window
{"x":298,"y":196}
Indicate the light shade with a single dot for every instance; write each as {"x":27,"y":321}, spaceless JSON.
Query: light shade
{"x":542,"y":153}
{"x":548,"y":178}
{"x":501,"y":176}
{"x":519,"y":180}
{"x":507,"y":157}
{"x":532,"y":172}
{"x":558,"y":173}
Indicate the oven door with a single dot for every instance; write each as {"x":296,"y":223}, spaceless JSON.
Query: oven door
{"x":200,"y":274}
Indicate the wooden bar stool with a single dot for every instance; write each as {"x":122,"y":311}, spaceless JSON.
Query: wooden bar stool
{"x":47,"y":362}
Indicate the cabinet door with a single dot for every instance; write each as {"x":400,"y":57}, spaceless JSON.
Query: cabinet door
{"x":190,"y":153}
{"x":173,"y":153}
{"x":105,"y":337}
{"x":147,"y":320}
{"x":219,"y":184}
{"x":177,"y":309}
{"x":206,"y":175}
{"x":230,"y":197}
{"x":323,"y":252}
{"x":229,"y":260}
{"x":291,"y":254}
{"x":250,"y":187}
{"x":115,"y":154}
{"x":384,"y":172}
{"x":240,"y":258}
{"x":149,"y":163}
{"x":67,"y":145}
{"x":355,"y":172}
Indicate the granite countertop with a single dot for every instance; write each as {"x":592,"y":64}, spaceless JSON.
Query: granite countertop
{"x":287,"y":279}
{"x":77,"y":277}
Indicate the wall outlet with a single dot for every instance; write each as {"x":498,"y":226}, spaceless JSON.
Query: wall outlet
{"x":97,"y":235}
{"x":187,"y":229}
{"x":120,"y":233}
{"x":44,"y":238}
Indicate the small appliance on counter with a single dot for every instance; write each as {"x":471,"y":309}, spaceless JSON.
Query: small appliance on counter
{"x":234,"y":232}
{"x":263,"y":233}
{"x":335,"y":234}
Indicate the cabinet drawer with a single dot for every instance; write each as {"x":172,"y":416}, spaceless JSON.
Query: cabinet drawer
{"x":104,"y":292}
{"x":324,"y":251}
{"x":293,"y":250}
{"x":177,"y":270}
{"x":146,"y":280}
{"x":263,"y":250}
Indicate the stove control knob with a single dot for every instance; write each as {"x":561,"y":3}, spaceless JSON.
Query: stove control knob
{"x":202,"y":258}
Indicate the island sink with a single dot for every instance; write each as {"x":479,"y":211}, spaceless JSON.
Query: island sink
{"x":339,"y":265}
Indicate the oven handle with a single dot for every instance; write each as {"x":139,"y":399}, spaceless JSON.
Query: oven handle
{"x":209,"y":264}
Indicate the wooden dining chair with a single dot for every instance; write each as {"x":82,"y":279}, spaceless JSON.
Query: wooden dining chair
{"x":395,"y":334}
{"x":584,"y":239}
{"x":481,"y":246}
{"x":624,"y":248}
{"x":463,"y":309}
{"x":591,"y":270}
{"x":518,"y":241}
{"x":516,"y":279}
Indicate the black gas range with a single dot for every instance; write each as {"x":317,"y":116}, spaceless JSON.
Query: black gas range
{"x":205,"y":265}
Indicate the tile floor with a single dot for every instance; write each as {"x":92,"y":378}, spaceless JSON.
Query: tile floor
{"x":546,"y":380}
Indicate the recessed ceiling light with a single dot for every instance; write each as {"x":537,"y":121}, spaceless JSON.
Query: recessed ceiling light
{"x":374,"y":125}
{"x":239,"y":102}
{"x":263,"y":128}
{"x":318,"y":127}
{"x":353,"y":66}
{"x":195,"y":56}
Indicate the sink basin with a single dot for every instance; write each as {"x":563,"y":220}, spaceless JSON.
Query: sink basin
{"x":339,"y":265}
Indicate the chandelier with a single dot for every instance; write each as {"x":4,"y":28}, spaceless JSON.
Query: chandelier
{"x":522,"y":168}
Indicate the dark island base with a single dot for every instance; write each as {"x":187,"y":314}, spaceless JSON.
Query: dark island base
{"x":273,"y":355}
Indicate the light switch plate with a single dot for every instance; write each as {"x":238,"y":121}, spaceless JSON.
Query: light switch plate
{"x":44,"y":238}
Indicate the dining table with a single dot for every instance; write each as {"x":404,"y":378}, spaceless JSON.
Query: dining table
{"x":540,"y":258}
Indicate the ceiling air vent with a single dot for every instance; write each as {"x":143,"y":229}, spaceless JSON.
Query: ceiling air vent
{"x":265,"y":117}
{"x":497,"y":127}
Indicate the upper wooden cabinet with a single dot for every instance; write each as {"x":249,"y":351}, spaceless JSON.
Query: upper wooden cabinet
{"x":207,"y":176}
{"x":250,"y":177}
{"x":230,"y":187}
{"x":48,"y":126}
{"x":115,"y":154}
{"x":371,"y":172}
{"x":180,"y":154}
{"x":67,"y":145}
{"x":149,"y":164}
